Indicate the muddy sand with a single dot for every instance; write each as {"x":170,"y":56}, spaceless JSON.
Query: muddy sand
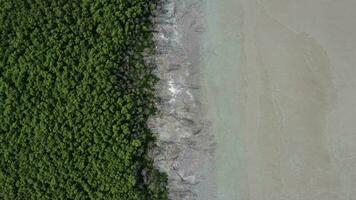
{"x":259,"y":99}
{"x":280,"y":86}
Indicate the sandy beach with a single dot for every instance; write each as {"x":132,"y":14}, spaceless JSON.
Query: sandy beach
{"x":279,"y":90}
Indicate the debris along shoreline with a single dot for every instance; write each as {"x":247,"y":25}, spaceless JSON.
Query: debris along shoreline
{"x":184,"y":143}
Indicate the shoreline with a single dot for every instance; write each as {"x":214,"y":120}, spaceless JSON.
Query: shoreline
{"x":184,"y":143}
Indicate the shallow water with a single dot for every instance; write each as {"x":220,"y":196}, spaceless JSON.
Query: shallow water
{"x":222,"y":55}
{"x":279,"y":85}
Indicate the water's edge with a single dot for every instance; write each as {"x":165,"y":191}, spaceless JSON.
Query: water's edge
{"x":185,"y":145}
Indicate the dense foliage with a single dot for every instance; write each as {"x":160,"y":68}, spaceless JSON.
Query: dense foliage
{"x":75,"y":95}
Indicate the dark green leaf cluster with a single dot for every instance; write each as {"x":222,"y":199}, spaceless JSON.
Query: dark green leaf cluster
{"x":75,"y":96}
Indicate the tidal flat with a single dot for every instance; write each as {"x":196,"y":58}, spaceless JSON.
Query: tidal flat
{"x":278,"y":86}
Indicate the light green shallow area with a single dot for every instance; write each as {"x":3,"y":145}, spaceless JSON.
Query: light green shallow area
{"x":222,"y":58}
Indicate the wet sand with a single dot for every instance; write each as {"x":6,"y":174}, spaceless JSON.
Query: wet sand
{"x":279,"y":84}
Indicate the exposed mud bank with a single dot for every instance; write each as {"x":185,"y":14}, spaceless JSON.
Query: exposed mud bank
{"x":184,"y":142}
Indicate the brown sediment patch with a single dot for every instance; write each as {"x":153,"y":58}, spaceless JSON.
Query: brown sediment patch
{"x":288,"y":96}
